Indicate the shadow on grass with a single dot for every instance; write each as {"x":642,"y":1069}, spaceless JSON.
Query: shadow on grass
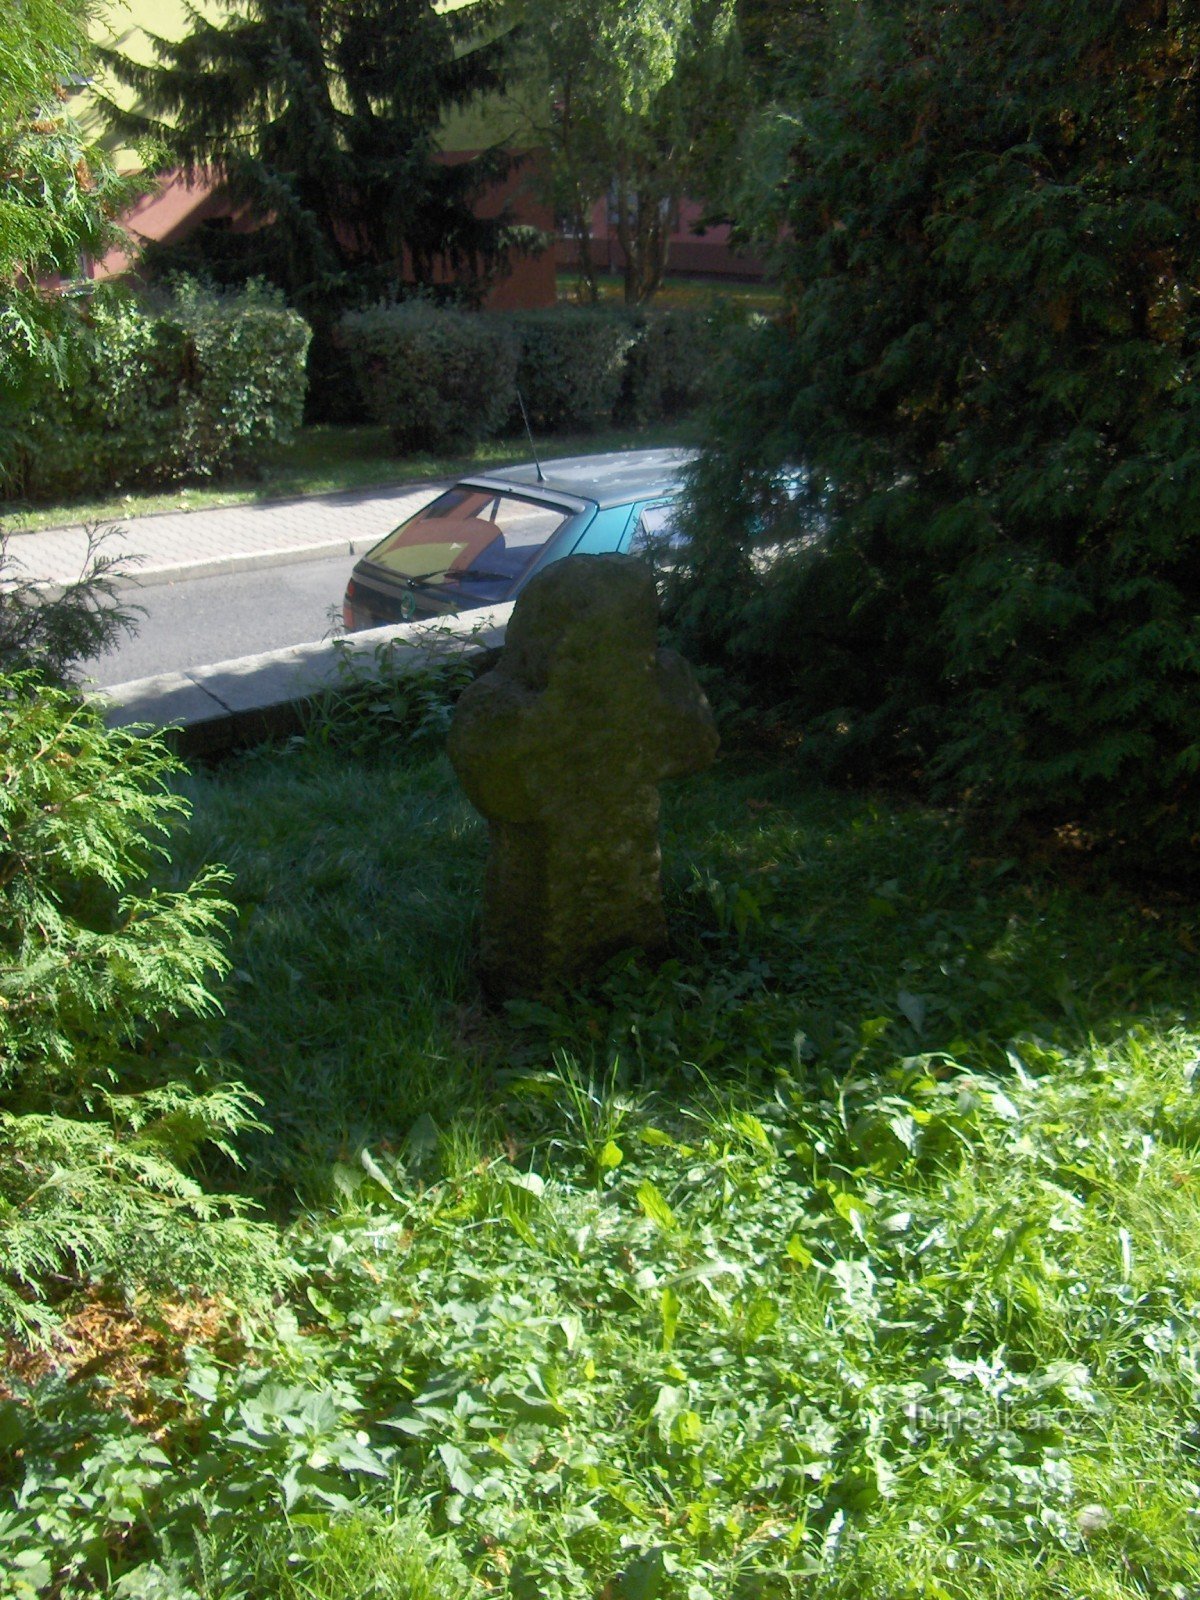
{"x":814,"y":932}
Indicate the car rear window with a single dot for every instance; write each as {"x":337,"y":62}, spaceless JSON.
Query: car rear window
{"x":469,"y":533}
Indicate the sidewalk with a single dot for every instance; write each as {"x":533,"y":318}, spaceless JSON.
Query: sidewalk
{"x":174,"y":545}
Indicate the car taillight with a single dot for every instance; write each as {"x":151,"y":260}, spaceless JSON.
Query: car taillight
{"x":348,"y":606}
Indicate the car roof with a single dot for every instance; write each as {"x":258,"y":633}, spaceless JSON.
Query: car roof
{"x":615,"y":479}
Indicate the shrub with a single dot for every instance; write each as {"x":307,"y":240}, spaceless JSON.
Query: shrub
{"x":442,"y":379}
{"x":572,"y":364}
{"x":106,"y":1097}
{"x":108,"y":420}
{"x":438,"y":379}
{"x":243,"y":375}
{"x":393,"y":699}
{"x":672,"y":362}
{"x":197,"y":385}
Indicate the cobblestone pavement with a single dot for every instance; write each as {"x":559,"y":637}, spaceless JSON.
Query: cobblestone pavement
{"x":170,"y":545}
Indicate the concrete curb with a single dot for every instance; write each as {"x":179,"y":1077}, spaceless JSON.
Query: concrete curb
{"x":132,"y":583}
{"x":210,"y":711}
{"x":250,"y":561}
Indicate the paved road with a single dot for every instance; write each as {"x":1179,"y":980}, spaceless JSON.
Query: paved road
{"x":231,"y":581}
{"x":191,"y":623}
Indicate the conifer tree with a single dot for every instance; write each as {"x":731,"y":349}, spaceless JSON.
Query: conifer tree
{"x":988,"y":225}
{"x":322,"y":118}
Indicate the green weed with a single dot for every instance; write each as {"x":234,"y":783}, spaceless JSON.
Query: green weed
{"x":850,"y":1251}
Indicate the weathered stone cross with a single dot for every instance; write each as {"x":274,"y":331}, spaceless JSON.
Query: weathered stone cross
{"x":562,"y":747}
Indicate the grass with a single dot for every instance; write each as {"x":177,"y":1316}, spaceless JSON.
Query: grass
{"x":855,"y":1251}
{"x":322,"y":460}
{"x":681,"y":291}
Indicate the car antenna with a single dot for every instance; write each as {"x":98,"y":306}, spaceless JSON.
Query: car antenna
{"x":529,"y":431}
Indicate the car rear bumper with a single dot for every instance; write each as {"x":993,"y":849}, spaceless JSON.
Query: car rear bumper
{"x":374,"y":603}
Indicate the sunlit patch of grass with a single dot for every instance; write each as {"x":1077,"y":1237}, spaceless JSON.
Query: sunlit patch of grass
{"x":681,"y":290}
{"x":330,"y":1558}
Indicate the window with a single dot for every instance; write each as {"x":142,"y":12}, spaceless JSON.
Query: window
{"x":481,"y":537}
{"x":658,"y":536}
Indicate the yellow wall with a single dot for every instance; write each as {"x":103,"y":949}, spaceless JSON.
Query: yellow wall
{"x":125,"y":24}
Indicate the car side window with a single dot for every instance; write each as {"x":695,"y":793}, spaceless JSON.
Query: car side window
{"x":604,"y":533}
{"x":657,"y":534}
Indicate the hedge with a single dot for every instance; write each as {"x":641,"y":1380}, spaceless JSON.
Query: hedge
{"x":670,"y":366}
{"x":442,"y":379}
{"x":195,"y":385}
{"x":572,"y":365}
{"x":439,"y":379}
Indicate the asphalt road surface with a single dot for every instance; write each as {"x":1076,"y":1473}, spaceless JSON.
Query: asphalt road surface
{"x":202,"y":620}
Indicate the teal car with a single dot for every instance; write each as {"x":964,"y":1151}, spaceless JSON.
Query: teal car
{"x":481,"y":541}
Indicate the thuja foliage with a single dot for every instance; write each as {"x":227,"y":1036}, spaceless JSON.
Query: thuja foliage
{"x":48,"y":633}
{"x":107,"y":1094}
{"x":988,"y":362}
{"x":59,"y":193}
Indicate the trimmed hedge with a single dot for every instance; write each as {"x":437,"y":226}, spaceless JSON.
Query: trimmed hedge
{"x":572,"y":365}
{"x":670,"y":366}
{"x":195,"y":386}
{"x":439,"y":379}
{"x":443,"y":379}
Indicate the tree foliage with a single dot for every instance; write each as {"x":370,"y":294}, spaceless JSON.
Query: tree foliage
{"x":323,"y":120}
{"x":989,"y":363}
{"x":629,"y":101}
{"x":109,"y":1091}
{"x":104,"y":1099}
{"x":59,"y":195}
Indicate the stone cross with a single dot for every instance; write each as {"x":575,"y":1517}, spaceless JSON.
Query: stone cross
{"x":562,"y":747}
